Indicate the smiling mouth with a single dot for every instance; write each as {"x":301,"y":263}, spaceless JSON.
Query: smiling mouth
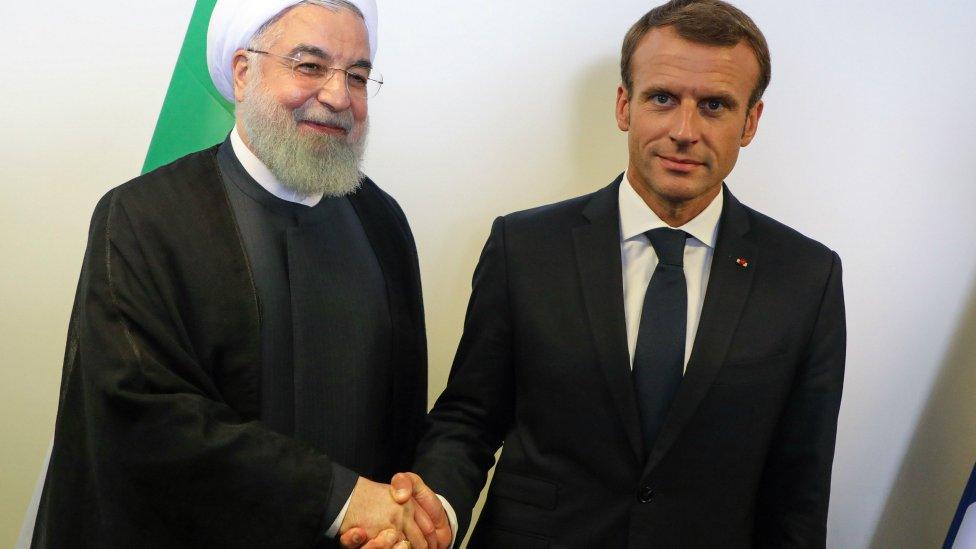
{"x":680,"y":160}
{"x":677,"y":164}
{"x":329,"y":129}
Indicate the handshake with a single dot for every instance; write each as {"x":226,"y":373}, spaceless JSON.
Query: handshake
{"x":403,"y":514}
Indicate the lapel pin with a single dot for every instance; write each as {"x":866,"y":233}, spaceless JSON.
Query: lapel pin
{"x":742,"y":262}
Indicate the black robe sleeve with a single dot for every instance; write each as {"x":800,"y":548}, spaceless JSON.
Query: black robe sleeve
{"x":148,"y":451}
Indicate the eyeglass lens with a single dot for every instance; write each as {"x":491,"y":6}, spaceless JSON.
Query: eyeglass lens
{"x":315,"y":70}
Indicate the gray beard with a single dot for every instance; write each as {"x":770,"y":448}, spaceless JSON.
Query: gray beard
{"x":309,"y":165}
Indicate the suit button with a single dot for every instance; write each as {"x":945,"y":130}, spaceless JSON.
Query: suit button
{"x":646,"y":494}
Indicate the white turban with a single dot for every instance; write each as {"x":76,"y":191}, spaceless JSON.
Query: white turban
{"x":234,"y":23}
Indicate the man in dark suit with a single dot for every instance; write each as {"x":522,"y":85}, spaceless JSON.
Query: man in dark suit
{"x":662,"y":363}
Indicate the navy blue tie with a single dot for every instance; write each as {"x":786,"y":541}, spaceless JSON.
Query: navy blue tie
{"x":660,"y":354}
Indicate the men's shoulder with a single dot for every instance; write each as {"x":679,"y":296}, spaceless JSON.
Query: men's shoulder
{"x":558,"y":215}
{"x":369,"y":186}
{"x":171,"y":181}
{"x":369,"y":190}
{"x":174,"y":202}
{"x":783,"y":242}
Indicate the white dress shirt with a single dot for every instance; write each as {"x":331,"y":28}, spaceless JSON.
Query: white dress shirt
{"x":260,"y":172}
{"x":639,"y":259}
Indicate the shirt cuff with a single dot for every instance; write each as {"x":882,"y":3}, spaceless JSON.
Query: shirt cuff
{"x":451,"y":517}
{"x":333,"y":530}
{"x":343,"y":482}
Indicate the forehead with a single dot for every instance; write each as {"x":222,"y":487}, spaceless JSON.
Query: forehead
{"x":341,"y":32}
{"x":664,"y":58}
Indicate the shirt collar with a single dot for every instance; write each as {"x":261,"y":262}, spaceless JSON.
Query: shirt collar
{"x":636,"y":218}
{"x":262,"y":174}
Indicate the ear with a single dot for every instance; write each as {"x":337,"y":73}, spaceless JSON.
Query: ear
{"x":752,"y":123}
{"x":240,"y":65}
{"x":623,"y":109}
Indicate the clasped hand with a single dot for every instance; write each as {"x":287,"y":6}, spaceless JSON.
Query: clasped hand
{"x":404,"y":513}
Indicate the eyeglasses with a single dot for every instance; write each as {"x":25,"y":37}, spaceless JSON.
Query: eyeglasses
{"x":313,"y":71}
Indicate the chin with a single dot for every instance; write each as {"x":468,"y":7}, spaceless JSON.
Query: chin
{"x":682,"y":189}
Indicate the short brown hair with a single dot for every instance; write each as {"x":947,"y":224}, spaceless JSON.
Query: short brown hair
{"x":709,"y":22}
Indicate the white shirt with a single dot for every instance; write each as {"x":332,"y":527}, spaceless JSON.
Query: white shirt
{"x":639,"y":259}
{"x":260,"y":172}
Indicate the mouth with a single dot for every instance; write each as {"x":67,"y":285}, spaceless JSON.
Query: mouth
{"x":679,"y":164}
{"x":324,"y":128}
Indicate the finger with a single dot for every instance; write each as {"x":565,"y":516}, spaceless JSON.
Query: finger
{"x":402,"y":488}
{"x":414,"y":535}
{"x":423,"y":520}
{"x":431,"y":504}
{"x":426,"y":526}
{"x":387,"y":539}
{"x":403,"y":545}
{"x":427,"y":500}
{"x":353,"y":538}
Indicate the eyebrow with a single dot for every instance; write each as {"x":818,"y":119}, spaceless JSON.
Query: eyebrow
{"x":656,"y":90}
{"x":319,"y":52}
{"x":726,"y":98}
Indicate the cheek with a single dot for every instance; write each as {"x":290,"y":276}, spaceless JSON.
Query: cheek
{"x":647,"y":129}
{"x":360,"y":111}
{"x":732,"y":155}
{"x":288,"y":95}
{"x":293,"y":98}
{"x":727,"y":152}
{"x":726,"y":142}
{"x":282,"y":88}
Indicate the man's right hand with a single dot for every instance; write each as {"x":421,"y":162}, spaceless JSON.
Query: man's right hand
{"x":373,"y":510}
{"x":429,"y":513}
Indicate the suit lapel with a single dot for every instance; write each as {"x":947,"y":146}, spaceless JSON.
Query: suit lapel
{"x":728,"y":287}
{"x":598,"y":258}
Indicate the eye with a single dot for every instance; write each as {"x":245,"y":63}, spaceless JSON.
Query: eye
{"x":713,"y":105}
{"x":660,"y":99}
{"x":357,"y":80}
{"x":310,"y":69}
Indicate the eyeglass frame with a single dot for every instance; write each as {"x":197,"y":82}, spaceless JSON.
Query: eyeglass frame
{"x":330,"y":72}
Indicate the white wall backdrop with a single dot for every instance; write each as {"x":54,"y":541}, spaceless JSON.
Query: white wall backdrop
{"x":867,"y":144}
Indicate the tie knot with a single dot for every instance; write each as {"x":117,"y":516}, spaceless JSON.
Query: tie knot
{"x":669,"y":245}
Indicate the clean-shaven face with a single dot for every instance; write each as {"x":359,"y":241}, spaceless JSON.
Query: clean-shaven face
{"x":686,"y":117}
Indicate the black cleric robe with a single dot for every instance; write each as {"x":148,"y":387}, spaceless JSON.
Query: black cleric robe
{"x":326,"y":334}
{"x":160,"y":440}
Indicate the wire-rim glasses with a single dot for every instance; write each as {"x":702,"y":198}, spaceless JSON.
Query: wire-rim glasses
{"x":312,"y":70}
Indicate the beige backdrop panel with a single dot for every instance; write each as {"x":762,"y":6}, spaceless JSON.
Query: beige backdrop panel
{"x":494,"y":106}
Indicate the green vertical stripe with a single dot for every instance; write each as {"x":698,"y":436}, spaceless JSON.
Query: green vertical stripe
{"x":194,"y":114}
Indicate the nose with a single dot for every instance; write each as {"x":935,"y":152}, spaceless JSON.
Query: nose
{"x":685,"y":127}
{"x":334,"y":93}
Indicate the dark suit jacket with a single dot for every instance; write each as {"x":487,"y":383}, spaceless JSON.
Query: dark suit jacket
{"x":744,"y":456}
{"x":157,"y":442}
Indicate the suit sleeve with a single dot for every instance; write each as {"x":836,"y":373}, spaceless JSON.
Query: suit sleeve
{"x":469,"y":421}
{"x":795,"y":488}
{"x":142,"y":426}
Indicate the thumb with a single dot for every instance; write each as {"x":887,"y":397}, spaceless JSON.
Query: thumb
{"x":353,"y":538}
{"x":427,"y":500}
{"x":402,"y":488}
